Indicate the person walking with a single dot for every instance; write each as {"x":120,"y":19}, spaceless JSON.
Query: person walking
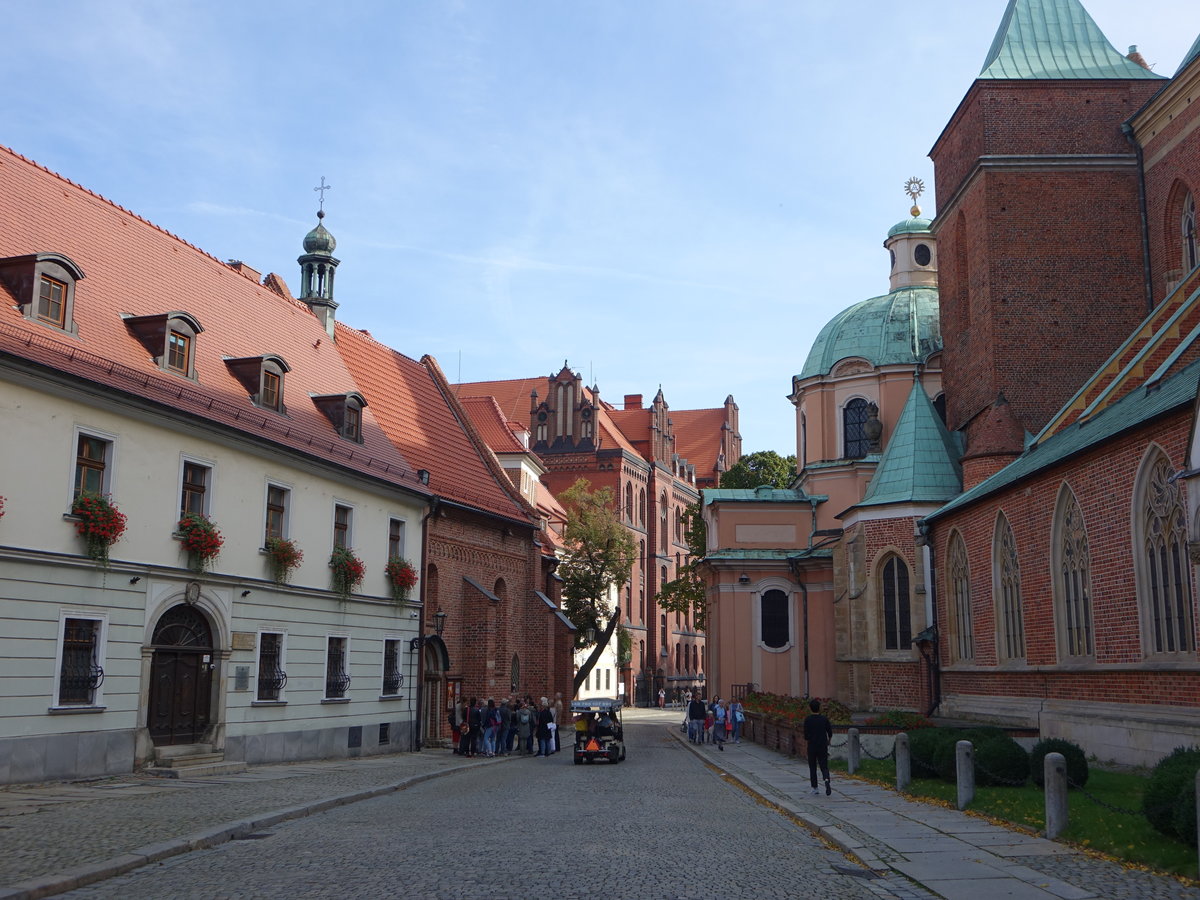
{"x":737,"y":716}
{"x":662,"y":698}
{"x":719,"y":713}
{"x":696,"y":713}
{"x":545,"y":719}
{"x":558,"y":717}
{"x":818,"y":732}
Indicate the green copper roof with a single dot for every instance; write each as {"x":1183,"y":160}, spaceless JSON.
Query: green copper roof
{"x":773,"y":554}
{"x":899,"y":327}
{"x":764,"y":493}
{"x":915,"y":225}
{"x":1135,"y":409}
{"x":1189,"y":56}
{"x":920,"y":463}
{"x":1054,"y":39}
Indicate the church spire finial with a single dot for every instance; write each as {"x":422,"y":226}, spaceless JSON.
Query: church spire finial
{"x":914,"y":187}
{"x":321,"y":189}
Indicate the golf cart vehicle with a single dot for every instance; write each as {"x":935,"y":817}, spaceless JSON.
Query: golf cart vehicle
{"x":605,"y":736}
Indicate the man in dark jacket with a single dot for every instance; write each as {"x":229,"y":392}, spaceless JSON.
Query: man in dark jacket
{"x":818,"y":732}
{"x":696,"y":714}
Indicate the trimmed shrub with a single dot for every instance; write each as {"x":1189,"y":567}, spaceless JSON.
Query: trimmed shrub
{"x":1077,"y":764}
{"x":1170,"y":788}
{"x":902,"y":719}
{"x":1000,"y":760}
{"x":923,"y":746}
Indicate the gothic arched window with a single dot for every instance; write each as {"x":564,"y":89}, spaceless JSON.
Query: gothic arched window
{"x":897,"y":615}
{"x":958,"y":588}
{"x":854,"y":440}
{"x":628,"y":502}
{"x":1191,"y":244}
{"x":1164,"y":582}
{"x":1010,"y":636}
{"x":1072,"y":579}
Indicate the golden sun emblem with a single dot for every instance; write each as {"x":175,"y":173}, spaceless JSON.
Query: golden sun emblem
{"x":914,"y":187}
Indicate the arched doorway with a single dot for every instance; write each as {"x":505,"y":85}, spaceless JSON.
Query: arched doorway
{"x":180,"y":676}
{"x":434,"y":696}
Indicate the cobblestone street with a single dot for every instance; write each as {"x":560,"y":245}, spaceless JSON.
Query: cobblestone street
{"x":661,"y":824}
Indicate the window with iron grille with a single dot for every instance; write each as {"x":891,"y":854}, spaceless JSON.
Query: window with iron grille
{"x":854,"y":440}
{"x":897,"y":621}
{"x":393,"y":678}
{"x":337,"y":681}
{"x":271,"y":676}
{"x":776,"y":629}
{"x":80,"y":673}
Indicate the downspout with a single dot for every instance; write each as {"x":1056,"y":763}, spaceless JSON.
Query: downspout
{"x":419,"y":686}
{"x":794,"y":565}
{"x":935,"y":671}
{"x":1127,"y":130}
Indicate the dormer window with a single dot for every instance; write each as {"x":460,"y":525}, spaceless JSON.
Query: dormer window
{"x":344,"y":412}
{"x":170,"y":338}
{"x":44,"y":287}
{"x":262,"y":377}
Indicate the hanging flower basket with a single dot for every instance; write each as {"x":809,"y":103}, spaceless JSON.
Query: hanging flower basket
{"x":100,"y":524}
{"x":284,"y":556}
{"x":348,"y":571}
{"x":401,"y":575}
{"x":1,"y":507}
{"x":201,"y":540}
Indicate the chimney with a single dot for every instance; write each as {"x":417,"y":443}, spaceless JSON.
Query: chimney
{"x":1136,"y":57}
{"x":241,"y":268}
{"x":633,"y":401}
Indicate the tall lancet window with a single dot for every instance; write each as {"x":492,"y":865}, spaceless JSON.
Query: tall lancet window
{"x":963,"y":639}
{"x":1010,"y":619}
{"x":897,"y":621}
{"x":1191,"y":244}
{"x":1164,"y":588}
{"x":1073,"y":579}
{"x":854,"y":440}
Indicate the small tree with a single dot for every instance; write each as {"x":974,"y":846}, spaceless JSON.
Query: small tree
{"x":599,"y":556}
{"x":763,"y":467}
{"x":686,"y":594}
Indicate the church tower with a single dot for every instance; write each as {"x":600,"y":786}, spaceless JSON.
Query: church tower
{"x":317,"y":267}
{"x":1035,"y":158}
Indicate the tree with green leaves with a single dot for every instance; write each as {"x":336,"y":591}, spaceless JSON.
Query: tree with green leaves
{"x":598,"y":558}
{"x":686,"y":593}
{"x":762,"y":467}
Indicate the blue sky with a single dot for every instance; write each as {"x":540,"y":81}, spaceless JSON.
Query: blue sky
{"x":659,"y":192}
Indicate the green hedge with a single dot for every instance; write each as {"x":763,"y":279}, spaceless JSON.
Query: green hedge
{"x":1077,"y":764}
{"x":1170,"y":798}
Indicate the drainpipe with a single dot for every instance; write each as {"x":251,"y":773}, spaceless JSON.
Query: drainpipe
{"x":1127,"y":130}
{"x":419,"y":686}
{"x":935,"y":671}
{"x":794,"y":566}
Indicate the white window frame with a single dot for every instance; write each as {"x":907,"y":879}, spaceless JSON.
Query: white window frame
{"x":286,"y":528}
{"x":209,"y":487}
{"x":760,"y":590}
{"x":110,"y":460}
{"x":349,"y":507}
{"x":101,"y":657}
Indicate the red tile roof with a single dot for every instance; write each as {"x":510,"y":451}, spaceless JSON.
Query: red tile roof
{"x":698,"y":437}
{"x":494,"y":427}
{"x":131,"y":266}
{"x":421,"y":418}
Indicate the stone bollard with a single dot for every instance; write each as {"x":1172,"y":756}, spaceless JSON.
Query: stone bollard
{"x":1198,"y":811}
{"x":1054,"y":768}
{"x":964,"y":764}
{"x":903,"y":763}
{"x":853,"y":751}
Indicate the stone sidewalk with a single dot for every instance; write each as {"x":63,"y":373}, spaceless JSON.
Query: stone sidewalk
{"x":951,"y":853}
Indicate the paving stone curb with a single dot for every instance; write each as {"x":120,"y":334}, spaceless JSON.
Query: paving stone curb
{"x":80,"y":876}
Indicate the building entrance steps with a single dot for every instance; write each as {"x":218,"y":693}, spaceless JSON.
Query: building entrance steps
{"x":952,"y":854}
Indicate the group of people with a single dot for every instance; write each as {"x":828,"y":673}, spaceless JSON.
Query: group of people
{"x":498,"y":728}
{"x":715,"y":722}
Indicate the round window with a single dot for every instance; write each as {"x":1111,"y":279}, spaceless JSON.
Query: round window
{"x":922,"y":255}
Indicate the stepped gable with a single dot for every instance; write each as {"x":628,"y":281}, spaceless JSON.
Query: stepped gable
{"x":428,"y":426}
{"x":136,"y":268}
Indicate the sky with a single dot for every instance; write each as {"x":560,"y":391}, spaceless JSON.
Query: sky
{"x":661,"y":193}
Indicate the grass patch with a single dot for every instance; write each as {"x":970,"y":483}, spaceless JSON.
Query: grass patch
{"x":1129,"y":839}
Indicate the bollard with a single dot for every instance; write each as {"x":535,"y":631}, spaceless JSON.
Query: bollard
{"x":903,"y":763}
{"x":1054,"y":768}
{"x":1198,"y":813}
{"x":853,"y":757}
{"x":964,"y":764}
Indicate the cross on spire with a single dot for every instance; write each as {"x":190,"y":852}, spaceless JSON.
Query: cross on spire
{"x":321,"y":190}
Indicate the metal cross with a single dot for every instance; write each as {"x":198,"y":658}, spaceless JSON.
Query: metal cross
{"x":321,"y":190}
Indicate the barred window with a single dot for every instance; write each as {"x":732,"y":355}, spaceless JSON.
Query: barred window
{"x":336,"y":678}
{"x":1073,"y":580}
{"x":959,"y":590}
{"x":80,"y":673}
{"x":776,"y":629}
{"x":1164,"y":588}
{"x":393,"y":678}
{"x":271,"y":676}
{"x":1010,"y":639}
{"x":897,"y":615}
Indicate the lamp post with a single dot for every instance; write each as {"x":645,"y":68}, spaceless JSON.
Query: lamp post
{"x":439,"y":624}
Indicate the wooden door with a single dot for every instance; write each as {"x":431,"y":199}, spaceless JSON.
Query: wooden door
{"x":181,"y":677}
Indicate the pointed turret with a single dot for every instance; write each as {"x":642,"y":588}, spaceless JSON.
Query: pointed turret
{"x":1040,"y":39}
{"x":317,"y":267}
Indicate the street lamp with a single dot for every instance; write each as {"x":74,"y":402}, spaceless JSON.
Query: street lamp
{"x":439,"y":623}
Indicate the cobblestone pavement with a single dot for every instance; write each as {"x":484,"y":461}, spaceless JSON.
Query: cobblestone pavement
{"x":660,"y":825}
